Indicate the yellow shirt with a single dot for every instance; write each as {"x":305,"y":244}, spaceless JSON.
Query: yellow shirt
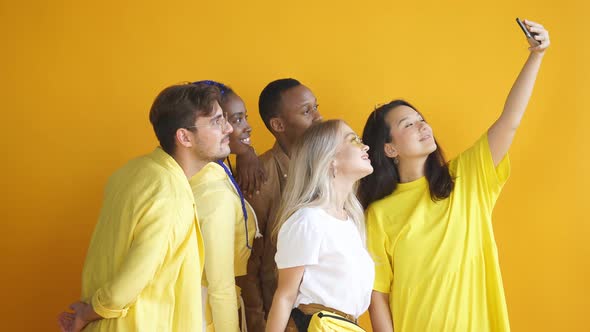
{"x":438,"y":260}
{"x":145,"y":258}
{"x":224,"y":235}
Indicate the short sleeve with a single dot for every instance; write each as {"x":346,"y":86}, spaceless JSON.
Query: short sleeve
{"x":377,"y":244}
{"x":299,"y":241}
{"x":475,"y":167}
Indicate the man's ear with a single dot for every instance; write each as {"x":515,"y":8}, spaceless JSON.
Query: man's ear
{"x":390,"y":150}
{"x":184,"y":137}
{"x":277,"y":124}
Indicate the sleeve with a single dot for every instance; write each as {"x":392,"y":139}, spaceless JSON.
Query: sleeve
{"x":253,"y":287}
{"x":269,"y":196}
{"x":218,"y":230}
{"x":261,"y":204}
{"x":298,"y":243}
{"x":378,"y":244}
{"x":151,"y":238}
{"x":479,"y":174}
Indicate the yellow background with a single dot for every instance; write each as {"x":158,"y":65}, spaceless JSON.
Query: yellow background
{"x":78,"y":79}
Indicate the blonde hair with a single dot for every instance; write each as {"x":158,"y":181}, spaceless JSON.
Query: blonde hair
{"x":310,"y":177}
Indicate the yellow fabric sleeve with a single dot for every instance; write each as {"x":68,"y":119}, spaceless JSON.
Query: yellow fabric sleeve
{"x":143,"y":259}
{"x":218,"y":221}
{"x":377,"y":244}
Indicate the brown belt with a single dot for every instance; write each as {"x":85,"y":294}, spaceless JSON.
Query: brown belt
{"x":312,"y":308}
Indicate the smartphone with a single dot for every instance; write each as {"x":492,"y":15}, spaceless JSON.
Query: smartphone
{"x":530,"y":36}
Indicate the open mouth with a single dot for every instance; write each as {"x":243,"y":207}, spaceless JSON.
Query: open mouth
{"x":245,"y":140}
{"x":425,"y":138}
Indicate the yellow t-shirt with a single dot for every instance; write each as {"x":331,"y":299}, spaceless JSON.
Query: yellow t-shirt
{"x":438,"y":260}
{"x":145,"y":259}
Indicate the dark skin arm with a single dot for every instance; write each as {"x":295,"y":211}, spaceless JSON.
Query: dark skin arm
{"x":249,"y":172}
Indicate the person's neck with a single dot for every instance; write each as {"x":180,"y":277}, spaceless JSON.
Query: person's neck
{"x":412,"y":169}
{"x":189,"y":164}
{"x":285,"y":146}
{"x":342,"y":188}
{"x":244,"y":153}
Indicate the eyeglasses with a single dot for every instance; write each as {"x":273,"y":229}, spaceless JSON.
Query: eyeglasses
{"x":219,"y":123}
{"x":356,"y":140}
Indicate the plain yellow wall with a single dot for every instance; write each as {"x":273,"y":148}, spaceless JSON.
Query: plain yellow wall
{"x":78,"y":79}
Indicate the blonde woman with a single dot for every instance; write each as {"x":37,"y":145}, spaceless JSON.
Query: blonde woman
{"x":321,"y":257}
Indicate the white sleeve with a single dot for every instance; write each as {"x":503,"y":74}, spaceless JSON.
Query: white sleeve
{"x":298,"y":242}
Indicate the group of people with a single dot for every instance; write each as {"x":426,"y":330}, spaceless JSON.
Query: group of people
{"x":308,"y":235}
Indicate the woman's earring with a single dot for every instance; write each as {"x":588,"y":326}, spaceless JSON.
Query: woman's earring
{"x":395,"y":160}
{"x":333,"y":167}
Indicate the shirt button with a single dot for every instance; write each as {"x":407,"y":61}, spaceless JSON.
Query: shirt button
{"x":284,"y":175}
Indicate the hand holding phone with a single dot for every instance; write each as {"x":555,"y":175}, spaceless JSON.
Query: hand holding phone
{"x":530,"y":36}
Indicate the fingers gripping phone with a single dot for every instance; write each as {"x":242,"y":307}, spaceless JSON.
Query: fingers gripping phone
{"x":530,"y":36}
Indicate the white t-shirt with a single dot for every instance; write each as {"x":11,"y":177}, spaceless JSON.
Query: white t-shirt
{"x":339,"y":272}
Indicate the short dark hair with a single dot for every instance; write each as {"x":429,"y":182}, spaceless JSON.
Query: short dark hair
{"x":270,"y":98}
{"x":383,"y":181}
{"x":177,"y":107}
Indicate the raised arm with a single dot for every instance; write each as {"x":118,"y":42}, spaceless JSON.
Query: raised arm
{"x":501,"y":133}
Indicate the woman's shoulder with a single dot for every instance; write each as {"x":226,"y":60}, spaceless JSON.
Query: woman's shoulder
{"x":303,"y":224}
{"x":305,"y":216}
{"x":383,"y":205}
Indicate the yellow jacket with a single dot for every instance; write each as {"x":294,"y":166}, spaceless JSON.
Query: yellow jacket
{"x":145,"y":259}
{"x":224,"y":235}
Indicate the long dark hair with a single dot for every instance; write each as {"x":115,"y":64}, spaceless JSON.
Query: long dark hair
{"x":385,"y":177}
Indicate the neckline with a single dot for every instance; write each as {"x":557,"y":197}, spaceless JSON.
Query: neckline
{"x":413,"y":184}
{"x":331,"y":216}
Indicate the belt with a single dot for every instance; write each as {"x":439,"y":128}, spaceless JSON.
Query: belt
{"x":312,"y":308}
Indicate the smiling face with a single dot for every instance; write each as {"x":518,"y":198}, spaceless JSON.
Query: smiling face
{"x":352,"y":160}
{"x":237,"y":115}
{"x":411,"y":136}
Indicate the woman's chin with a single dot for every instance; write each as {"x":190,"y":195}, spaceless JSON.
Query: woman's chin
{"x":238,"y":148}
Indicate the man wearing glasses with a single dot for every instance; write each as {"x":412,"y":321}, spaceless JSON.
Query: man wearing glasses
{"x":144,"y":263}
